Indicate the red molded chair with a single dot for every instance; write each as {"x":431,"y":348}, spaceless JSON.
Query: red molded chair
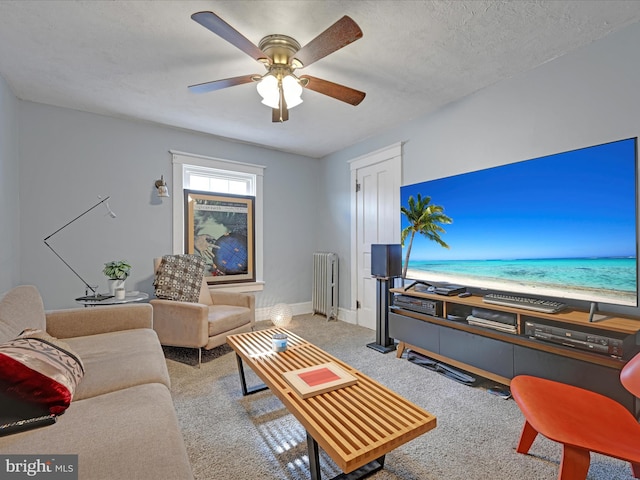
{"x":581,"y":420}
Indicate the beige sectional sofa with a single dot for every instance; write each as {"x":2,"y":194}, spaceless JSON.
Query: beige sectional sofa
{"x":121,"y":422}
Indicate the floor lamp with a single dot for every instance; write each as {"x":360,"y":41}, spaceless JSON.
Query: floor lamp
{"x":386,"y":264}
{"x":88,"y":288}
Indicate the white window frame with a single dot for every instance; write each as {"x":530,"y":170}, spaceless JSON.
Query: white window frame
{"x":247,"y":179}
{"x":181,"y":161}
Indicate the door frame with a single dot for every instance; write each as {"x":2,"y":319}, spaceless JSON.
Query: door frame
{"x":368,"y":159}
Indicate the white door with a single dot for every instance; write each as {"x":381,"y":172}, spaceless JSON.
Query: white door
{"x":377,"y":212}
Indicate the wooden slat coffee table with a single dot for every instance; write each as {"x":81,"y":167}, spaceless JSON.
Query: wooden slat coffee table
{"x":356,"y":425}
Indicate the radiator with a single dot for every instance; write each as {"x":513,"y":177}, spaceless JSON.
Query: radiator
{"x":324,"y":296}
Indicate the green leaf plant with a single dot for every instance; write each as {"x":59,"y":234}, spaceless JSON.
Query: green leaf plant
{"x":117,"y":270}
{"x":426,"y":219}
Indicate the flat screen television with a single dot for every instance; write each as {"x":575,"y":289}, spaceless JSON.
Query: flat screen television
{"x":561,"y":226}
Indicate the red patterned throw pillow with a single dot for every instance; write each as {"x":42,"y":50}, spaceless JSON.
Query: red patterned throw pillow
{"x":39,"y":368}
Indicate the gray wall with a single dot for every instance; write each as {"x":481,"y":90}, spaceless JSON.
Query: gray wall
{"x":67,"y":158}
{"x":9,"y":195}
{"x":585,"y":98}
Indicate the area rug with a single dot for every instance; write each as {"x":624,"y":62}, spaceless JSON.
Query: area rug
{"x":229,"y":436}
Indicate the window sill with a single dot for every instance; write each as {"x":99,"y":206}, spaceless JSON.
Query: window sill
{"x":239,"y":287}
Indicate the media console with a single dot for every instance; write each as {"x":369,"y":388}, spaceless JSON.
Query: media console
{"x":564,"y":346}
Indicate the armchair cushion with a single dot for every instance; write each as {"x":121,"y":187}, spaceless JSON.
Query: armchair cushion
{"x":179,"y":277}
{"x":232,"y":298}
{"x":223,"y":318}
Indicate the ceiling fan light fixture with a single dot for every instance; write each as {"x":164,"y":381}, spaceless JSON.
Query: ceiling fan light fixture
{"x":269,"y":90}
{"x":292,"y":91}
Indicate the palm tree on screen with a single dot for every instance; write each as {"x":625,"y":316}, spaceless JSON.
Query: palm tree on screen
{"x":426,"y":219}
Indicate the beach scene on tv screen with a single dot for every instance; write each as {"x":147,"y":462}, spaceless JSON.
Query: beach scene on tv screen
{"x":562,"y":226}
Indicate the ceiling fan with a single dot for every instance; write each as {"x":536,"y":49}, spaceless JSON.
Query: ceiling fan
{"x":281,"y":55}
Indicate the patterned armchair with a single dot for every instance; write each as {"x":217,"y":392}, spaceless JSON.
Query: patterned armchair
{"x":190,"y":314}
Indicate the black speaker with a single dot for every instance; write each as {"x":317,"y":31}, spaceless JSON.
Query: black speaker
{"x":386,"y":260}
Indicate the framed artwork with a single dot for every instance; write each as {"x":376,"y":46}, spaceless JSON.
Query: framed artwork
{"x":220,"y":228}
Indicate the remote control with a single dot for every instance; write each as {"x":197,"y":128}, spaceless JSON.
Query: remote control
{"x":464,"y":294}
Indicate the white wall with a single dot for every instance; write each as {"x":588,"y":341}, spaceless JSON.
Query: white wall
{"x":67,"y":158}
{"x":585,"y":98}
{"x":9,"y":194}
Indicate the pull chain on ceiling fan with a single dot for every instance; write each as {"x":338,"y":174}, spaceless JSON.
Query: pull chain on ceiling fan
{"x":281,"y":55}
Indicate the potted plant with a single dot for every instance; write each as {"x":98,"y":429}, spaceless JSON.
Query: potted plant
{"x":117,"y":272}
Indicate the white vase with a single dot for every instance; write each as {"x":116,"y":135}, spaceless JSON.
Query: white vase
{"x":113,"y":284}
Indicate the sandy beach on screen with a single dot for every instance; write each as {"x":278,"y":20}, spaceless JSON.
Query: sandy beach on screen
{"x":529,"y":290}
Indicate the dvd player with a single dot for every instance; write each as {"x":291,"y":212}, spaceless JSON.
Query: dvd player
{"x":576,"y":339}
{"x":439,"y":288}
{"x":420,"y":305}
{"x":449,"y":290}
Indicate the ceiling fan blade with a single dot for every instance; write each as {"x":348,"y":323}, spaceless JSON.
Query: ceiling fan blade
{"x":218,"y":84}
{"x":335,"y":90}
{"x":338,"y":35}
{"x":279,"y":117}
{"x":212,"y":22}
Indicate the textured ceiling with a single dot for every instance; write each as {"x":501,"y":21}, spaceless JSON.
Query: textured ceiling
{"x":135,"y":59}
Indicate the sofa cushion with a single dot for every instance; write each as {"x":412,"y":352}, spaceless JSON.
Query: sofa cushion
{"x":20,"y":308}
{"x":131,"y":433}
{"x":118,"y":360}
{"x":41,"y":369}
{"x":223,"y":318}
{"x":179,"y":277}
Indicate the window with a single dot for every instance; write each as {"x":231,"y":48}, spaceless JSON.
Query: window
{"x":219,"y":181}
{"x":197,"y":172}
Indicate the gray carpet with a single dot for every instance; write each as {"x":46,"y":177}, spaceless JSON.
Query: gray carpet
{"x":229,"y":436}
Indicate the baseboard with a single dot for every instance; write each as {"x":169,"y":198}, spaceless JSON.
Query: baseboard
{"x":347,"y":315}
{"x":303,"y":308}
{"x":296,"y":308}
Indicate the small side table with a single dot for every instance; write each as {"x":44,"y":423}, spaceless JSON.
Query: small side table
{"x":130,"y":297}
